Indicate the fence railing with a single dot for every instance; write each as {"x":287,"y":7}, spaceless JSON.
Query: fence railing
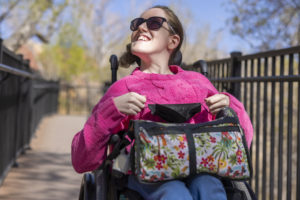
{"x":78,"y":99}
{"x":24,"y":100}
{"x":268,"y":84}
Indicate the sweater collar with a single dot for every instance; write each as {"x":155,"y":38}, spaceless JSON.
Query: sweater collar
{"x":174,"y":68}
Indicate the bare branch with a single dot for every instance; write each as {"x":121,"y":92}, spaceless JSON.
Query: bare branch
{"x":10,"y":8}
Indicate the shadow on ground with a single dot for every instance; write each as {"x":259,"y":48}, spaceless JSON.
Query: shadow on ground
{"x":40,"y":176}
{"x":45,"y":172}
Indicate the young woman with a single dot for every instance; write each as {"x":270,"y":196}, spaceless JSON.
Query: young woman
{"x":156,"y":37}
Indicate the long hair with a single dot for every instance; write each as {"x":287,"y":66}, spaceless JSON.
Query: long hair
{"x":127,"y":58}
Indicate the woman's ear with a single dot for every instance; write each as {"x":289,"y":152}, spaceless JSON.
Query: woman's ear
{"x":174,"y":41}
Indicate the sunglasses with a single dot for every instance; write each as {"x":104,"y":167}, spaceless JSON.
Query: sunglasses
{"x":153,"y":23}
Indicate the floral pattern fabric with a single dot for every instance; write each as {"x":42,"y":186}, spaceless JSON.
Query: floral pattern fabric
{"x":222,"y":153}
{"x":166,"y":156}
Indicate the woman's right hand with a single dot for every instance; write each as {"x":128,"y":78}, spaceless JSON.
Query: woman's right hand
{"x":130,"y":103}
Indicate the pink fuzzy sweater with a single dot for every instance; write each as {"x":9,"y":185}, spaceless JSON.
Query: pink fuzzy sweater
{"x":90,"y":144}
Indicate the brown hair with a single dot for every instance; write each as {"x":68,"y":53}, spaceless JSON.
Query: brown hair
{"x":128,"y":58}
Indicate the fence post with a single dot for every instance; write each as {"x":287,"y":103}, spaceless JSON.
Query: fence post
{"x":236,"y":72}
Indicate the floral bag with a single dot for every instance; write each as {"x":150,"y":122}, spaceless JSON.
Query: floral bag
{"x":166,"y":151}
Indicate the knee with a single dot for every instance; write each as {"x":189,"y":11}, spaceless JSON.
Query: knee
{"x":172,"y":190}
{"x":207,"y":187}
{"x":206,"y":180}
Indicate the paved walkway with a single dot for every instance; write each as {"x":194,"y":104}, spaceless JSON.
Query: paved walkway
{"x":45,"y":172}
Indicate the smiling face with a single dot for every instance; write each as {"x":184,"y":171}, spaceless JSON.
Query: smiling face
{"x":155,"y":44}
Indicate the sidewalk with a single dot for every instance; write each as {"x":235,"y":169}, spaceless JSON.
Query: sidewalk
{"x":45,"y":172}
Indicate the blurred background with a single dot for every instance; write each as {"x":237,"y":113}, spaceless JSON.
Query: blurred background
{"x":54,"y":59}
{"x":71,"y":40}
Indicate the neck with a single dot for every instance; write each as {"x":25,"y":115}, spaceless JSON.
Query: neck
{"x":157,"y":65}
{"x":156,"y":68}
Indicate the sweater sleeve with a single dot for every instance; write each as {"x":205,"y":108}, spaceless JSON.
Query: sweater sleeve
{"x":89,"y":145}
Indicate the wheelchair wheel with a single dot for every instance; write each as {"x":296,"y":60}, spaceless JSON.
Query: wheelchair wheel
{"x":88,"y":187}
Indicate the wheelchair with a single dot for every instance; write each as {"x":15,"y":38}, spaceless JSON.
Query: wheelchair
{"x":105,"y":183}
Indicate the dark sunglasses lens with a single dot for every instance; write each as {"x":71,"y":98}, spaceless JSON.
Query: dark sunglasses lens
{"x":154,"y":23}
{"x":136,"y":23}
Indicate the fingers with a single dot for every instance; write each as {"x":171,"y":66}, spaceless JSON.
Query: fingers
{"x":130,"y":103}
{"x":137,"y":99}
{"x":216,"y":102}
{"x":136,"y":103}
{"x":133,"y":109}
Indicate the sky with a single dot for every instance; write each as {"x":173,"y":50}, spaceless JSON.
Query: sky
{"x":205,"y":12}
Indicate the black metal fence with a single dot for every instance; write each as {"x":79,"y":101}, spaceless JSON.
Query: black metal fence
{"x":24,"y":100}
{"x":78,"y":99}
{"x":268,"y":84}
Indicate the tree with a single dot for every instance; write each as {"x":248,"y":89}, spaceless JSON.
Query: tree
{"x":11,"y":5}
{"x":266,"y":24}
{"x":32,"y":24}
{"x":68,"y":59}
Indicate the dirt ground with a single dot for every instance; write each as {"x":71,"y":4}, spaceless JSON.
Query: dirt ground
{"x":45,"y":171}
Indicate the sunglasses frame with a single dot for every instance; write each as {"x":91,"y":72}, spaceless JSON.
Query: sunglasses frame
{"x":132,"y":28}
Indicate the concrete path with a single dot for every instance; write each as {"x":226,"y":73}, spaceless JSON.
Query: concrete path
{"x":45,"y":172}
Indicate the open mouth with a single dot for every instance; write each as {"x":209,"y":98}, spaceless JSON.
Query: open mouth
{"x":143,"y":38}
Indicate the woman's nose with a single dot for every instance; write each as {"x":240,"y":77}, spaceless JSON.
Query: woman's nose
{"x":143,"y":27}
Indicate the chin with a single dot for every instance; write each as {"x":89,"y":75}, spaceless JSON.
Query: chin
{"x":139,"y":50}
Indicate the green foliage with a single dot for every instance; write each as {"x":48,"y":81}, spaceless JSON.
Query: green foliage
{"x":70,"y":57}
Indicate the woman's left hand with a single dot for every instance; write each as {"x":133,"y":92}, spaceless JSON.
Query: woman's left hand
{"x":216,"y":102}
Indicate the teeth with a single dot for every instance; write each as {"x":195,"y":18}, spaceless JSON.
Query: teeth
{"x":143,"y":38}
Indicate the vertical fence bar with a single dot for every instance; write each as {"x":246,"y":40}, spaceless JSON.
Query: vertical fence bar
{"x":257,"y":131}
{"x":213,"y":69}
{"x":227,"y":75}
{"x":272,"y":135}
{"x":290,"y":132}
{"x":236,"y":72}
{"x":245,"y":84}
{"x":280,"y":135}
{"x":265,"y":123}
{"x":298,"y":136}
{"x":252,"y":101}
{"x":223,"y":75}
{"x":209,"y":75}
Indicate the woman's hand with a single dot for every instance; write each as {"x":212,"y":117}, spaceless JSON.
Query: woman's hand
{"x":130,"y":103}
{"x":216,"y":102}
